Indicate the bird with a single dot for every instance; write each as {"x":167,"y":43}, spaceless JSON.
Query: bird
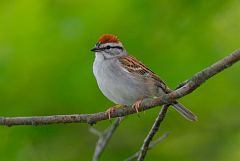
{"x":125,"y":80}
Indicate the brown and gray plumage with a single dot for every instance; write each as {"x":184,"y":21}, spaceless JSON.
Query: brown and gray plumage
{"x":125,"y":80}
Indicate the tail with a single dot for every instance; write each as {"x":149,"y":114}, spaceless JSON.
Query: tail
{"x":184,"y":111}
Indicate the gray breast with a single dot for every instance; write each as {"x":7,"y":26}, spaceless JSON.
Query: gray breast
{"x":117,"y":84}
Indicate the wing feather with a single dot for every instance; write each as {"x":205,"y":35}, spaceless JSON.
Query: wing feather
{"x":134,"y":66}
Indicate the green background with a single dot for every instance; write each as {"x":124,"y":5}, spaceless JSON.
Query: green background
{"x":46,"y":69}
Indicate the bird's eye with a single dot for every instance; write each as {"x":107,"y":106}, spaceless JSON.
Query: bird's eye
{"x":108,"y":47}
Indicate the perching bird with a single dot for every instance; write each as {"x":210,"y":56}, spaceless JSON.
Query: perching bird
{"x":125,"y":80}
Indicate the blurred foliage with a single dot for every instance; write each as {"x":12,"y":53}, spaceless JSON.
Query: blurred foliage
{"x":46,"y":68}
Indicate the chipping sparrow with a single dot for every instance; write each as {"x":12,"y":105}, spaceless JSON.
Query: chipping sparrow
{"x":125,"y":80}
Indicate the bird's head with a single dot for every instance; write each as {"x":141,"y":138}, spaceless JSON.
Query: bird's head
{"x":109,"y":45}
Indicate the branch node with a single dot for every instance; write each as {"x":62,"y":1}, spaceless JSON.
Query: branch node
{"x":91,"y":121}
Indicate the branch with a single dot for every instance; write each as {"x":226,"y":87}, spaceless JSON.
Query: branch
{"x":152,"y":132}
{"x":187,"y":88}
{"x":104,"y":138}
{"x":152,"y":144}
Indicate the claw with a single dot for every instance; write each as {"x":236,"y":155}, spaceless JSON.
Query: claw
{"x":137,"y":104}
{"x":112,"y":109}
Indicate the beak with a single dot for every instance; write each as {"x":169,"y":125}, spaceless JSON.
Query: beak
{"x":95,"y":49}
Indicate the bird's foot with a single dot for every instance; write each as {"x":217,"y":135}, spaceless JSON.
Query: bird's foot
{"x":137,"y":105}
{"x":112,"y":109}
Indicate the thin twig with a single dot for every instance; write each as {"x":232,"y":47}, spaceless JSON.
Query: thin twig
{"x":104,"y":139}
{"x":158,"y":140}
{"x":152,"y":132}
{"x":193,"y":83}
{"x":95,"y":131}
{"x":152,"y":144}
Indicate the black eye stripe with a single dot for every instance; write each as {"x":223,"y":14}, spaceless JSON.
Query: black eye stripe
{"x":111,"y":47}
{"x":116,"y":47}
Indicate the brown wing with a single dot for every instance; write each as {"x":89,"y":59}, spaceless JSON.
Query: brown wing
{"x":134,"y":66}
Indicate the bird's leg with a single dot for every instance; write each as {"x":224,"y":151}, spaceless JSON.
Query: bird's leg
{"x":137,"y":104}
{"x":113,"y":108}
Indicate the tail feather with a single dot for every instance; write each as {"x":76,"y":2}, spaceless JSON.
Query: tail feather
{"x":184,"y":111}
